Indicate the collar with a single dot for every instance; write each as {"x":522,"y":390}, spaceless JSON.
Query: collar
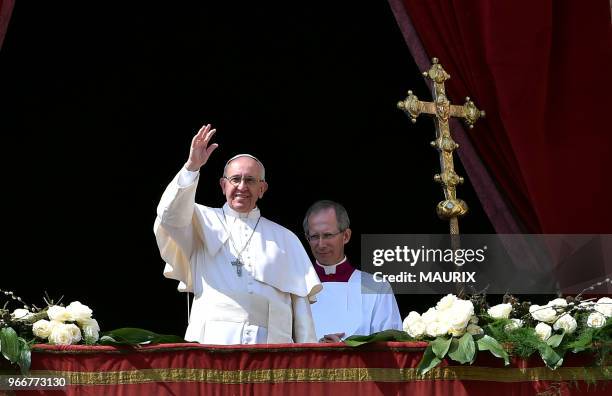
{"x":340,"y":272}
{"x":231,"y":213}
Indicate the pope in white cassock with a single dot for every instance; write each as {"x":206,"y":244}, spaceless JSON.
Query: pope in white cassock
{"x":351,"y":302}
{"x":251,"y":278}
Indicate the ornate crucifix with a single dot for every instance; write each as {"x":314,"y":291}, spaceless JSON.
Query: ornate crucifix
{"x":451,"y":208}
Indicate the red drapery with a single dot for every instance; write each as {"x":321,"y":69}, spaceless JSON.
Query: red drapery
{"x":6,"y":9}
{"x":299,"y":369}
{"x":541,"y":70}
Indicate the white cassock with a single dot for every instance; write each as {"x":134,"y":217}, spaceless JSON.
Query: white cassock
{"x":268,"y":303}
{"x":359,"y":306}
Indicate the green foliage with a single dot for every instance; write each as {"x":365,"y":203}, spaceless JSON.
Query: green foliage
{"x":522,"y":342}
{"x":9,"y":344}
{"x":550,"y":356}
{"x":487,"y":343}
{"x":429,"y":361}
{"x":134,"y":336}
{"x":465,"y":350}
{"x":555,"y":340}
{"x":15,"y":349}
{"x":382,"y":336}
{"x":440,"y":346}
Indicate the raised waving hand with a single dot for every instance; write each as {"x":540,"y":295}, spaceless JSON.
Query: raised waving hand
{"x":200,"y":151}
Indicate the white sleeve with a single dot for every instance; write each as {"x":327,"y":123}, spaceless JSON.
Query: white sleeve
{"x":174,"y":230}
{"x":186,"y":177}
{"x":386,"y":315}
{"x":303,"y":324}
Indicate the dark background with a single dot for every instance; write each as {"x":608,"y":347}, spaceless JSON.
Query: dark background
{"x":100,"y":103}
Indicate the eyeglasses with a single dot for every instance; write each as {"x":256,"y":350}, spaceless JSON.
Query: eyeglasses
{"x":327,"y":235}
{"x":248,"y":180}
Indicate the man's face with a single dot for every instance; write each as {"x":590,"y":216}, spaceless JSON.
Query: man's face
{"x":243,"y":196}
{"x":328,"y":251}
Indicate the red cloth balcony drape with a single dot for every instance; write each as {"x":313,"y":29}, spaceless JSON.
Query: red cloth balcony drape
{"x":300,"y":369}
{"x":541,"y":70}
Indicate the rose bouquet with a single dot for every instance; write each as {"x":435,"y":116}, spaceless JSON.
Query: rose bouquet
{"x":59,"y":325}
{"x":67,"y":325}
{"x":459,"y":328}
{"x":54,"y":324}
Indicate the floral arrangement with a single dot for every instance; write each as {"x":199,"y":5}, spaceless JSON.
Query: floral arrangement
{"x":54,"y":324}
{"x":60,"y":325}
{"x":459,"y":328}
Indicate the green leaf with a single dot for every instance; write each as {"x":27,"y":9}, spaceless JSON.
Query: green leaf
{"x":135,"y":336}
{"x":428,"y":361}
{"x":440,"y":346}
{"x":25,"y":357}
{"x":555,"y":340}
{"x":381,"y":336}
{"x":487,"y":343}
{"x":466,"y":349}
{"x":10,"y":344}
{"x":550,"y":357}
{"x":583,"y":342}
{"x":452,"y":350}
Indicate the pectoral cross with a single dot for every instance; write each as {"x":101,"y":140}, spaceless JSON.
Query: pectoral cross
{"x":238,"y":264}
{"x":451,"y":208}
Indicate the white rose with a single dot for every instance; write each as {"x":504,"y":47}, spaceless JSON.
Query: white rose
{"x":435,"y":329}
{"x":413,"y":325}
{"x":446,"y":302}
{"x":596,"y":320}
{"x":459,"y":315}
{"x":21,"y":313}
{"x":567,"y":323}
{"x":604,"y":306}
{"x":500,"y":311}
{"x":413,"y":316}
{"x":543,"y":331}
{"x":61,"y":335}
{"x":91,"y":334}
{"x":55,"y":323}
{"x":457,"y":320}
{"x":58,"y":313}
{"x":75,"y":332}
{"x":557,"y":302}
{"x":543,"y":314}
{"x":465,"y":306}
{"x":78,"y":311}
{"x":474,"y":329}
{"x":90,"y":323}
{"x":513,"y":325}
{"x":430,"y":316}
{"x":42,"y":328}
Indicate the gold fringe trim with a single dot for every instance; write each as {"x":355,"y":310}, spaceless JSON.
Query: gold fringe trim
{"x":461,"y":373}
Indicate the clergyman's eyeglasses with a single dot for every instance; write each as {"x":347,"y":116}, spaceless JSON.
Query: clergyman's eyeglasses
{"x":248,"y":180}
{"x":327,"y":235}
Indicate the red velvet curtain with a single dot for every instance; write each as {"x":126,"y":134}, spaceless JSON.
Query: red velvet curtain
{"x":6,"y":9}
{"x":541,"y":70}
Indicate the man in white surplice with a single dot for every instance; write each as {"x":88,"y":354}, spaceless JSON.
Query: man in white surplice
{"x":351,"y":302}
{"x":251,"y":278}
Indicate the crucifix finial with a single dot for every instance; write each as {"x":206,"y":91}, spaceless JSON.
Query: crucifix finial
{"x":452,"y":207}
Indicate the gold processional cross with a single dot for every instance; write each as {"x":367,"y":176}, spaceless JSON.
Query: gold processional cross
{"x":451,"y":208}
